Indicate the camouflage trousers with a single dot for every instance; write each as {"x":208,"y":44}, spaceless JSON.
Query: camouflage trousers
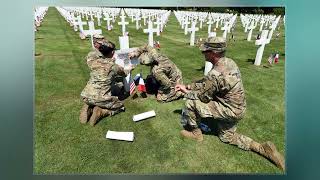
{"x":226,"y":120}
{"x":168,"y":95}
{"x":111,"y":103}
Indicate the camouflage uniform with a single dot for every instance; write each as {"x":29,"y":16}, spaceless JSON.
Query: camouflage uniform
{"x":95,"y":54}
{"x":219,"y":95}
{"x":98,"y":89}
{"x":163,"y":70}
{"x":102,"y":76}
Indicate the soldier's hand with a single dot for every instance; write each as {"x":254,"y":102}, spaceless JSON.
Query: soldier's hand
{"x":181,"y":87}
{"x":130,"y":67}
{"x":132,"y":54}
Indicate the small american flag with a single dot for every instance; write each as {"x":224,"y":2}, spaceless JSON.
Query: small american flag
{"x":132,"y":85}
{"x":270,"y":59}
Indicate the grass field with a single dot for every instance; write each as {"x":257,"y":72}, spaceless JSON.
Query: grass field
{"x":63,"y":145}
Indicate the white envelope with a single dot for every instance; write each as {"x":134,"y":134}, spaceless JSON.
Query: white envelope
{"x":124,"y":136}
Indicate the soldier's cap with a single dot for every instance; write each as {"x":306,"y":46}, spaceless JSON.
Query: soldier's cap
{"x":145,"y":59}
{"x":98,"y":38}
{"x":108,"y":44}
{"x":215,"y":44}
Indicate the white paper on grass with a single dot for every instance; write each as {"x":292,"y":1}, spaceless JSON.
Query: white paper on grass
{"x":125,"y":136}
{"x":145,"y":115}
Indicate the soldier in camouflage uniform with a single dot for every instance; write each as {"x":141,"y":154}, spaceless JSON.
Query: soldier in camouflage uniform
{"x":96,"y":95}
{"x":220,"y":96}
{"x":163,"y":70}
{"x":95,"y":54}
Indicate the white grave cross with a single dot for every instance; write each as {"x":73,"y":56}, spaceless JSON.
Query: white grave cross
{"x":98,"y":19}
{"x":210,"y":22}
{"x":137,"y":18}
{"x":123,"y":23}
{"x":92,"y":31}
{"x":108,"y":19}
{"x":225,"y":30}
{"x":158,"y":23}
{"x":251,"y":27}
{"x":186,"y":22}
{"x":261,"y":42}
{"x":193,"y":30}
{"x":150,"y":30}
{"x":81,"y":23}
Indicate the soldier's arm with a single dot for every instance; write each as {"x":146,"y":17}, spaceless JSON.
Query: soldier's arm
{"x":158,"y":73}
{"x":208,"y":87}
{"x":214,"y":83}
{"x":194,"y":89}
{"x":120,"y":70}
{"x":139,"y":51}
{"x":197,"y":85}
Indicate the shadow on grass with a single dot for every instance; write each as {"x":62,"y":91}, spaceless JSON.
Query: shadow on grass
{"x":251,"y":60}
{"x":201,"y":69}
{"x":212,"y":124}
{"x":177,"y":111}
{"x":39,"y":38}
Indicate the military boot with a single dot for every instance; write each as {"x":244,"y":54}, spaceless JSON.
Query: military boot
{"x":269,"y":150}
{"x":98,"y":113}
{"x":195,"y":134}
{"x":85,"y":113}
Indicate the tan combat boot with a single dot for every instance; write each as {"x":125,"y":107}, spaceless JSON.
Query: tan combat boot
{"x":98,"y":113}
{"x":85,"y":113}
{"x":195,"y":134}
{"x":269,"y":150}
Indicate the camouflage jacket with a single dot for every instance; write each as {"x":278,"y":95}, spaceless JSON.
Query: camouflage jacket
{"x":94,"y":55}
{"x":223,"y":83}
{"x":163,"y":69}
{"x":102,"y":76}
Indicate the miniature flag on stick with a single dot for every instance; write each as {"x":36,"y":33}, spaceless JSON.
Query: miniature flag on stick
{"x":276,"y":58}
{"x":270,"y":59}
{"x":141,"y":86}
{"x":136,"y":77}
{"x":157,"y":44}
{"x":132,"y":85}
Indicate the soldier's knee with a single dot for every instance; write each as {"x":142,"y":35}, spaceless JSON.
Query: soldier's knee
{"x":189,"y":104}
{"x":226,"y":137}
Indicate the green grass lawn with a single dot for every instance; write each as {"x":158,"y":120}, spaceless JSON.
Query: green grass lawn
{"x":63,"y":145}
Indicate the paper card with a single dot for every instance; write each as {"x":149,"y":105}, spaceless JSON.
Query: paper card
{"x":143,"y":116}
{"x":124,"y":136}
{"x":122,"y":58}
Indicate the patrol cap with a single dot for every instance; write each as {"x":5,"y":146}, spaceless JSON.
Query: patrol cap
{"x":215,"y":44}
{"x":108,"y":44}
{"x":98,"y":38}
{"x":145,"y":59}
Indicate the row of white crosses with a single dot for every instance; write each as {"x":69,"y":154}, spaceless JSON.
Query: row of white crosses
{"x":107,"y":14}
{"x":161,"y":20}
{"x":265,"y":39}
{"x":39,"y":13}
{"x":186,"y":17}
{"x":69,"y":16}
{"x":250,"y":22}
{"x":266,"y":22}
